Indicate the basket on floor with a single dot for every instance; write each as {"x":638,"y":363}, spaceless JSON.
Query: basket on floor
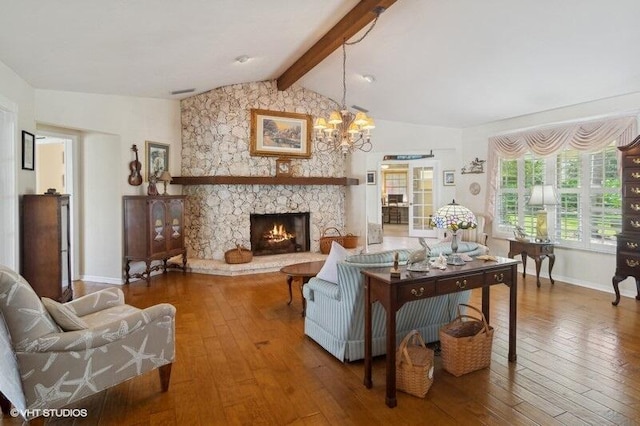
{"x":240,"y":254}
{"x":326,"y":240}
{"x":350,"y":241}
{"x":466,"y":343}
{"x":414,"y":365}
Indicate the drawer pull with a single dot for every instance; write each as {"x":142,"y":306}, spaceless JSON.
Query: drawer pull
{"x":635,"y":175}
{"x":632,"y":262}
{"x":632,"y":245}
{"x":498,"y":277}
{"x":462,"y":284}
{"x":635,"y":206}
{"x":635,"y":190}
{"x":635,"y":223}
{"x":417,"y":293}
{"x":636,"y":160}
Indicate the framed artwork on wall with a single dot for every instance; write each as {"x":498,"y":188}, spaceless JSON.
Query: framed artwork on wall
{"x":157,"y":158}
{"x":276,"y":133}
{"x":28,"y":151}
{"x":448,"y":177}
{"x":371,"y":177}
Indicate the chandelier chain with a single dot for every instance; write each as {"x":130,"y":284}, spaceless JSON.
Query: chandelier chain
{"x":344,"y":58}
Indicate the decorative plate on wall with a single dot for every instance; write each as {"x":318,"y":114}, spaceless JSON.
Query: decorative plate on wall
{"x":474,"y":188}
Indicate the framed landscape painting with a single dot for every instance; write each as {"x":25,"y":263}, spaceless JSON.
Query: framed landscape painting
{"x":282,"y":134}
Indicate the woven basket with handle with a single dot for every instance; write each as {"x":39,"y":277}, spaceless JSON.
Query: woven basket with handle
{"x":326,"y":240}
{"x":240,"y":254}
{"x":414,"y":365}
{"x":466,"y":343}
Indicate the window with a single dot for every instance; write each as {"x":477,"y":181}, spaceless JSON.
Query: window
{"x":395,"y":183}
{"x":588,"y":214}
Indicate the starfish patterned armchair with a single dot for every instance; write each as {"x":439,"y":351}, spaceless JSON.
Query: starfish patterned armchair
{"x":53,"y":354}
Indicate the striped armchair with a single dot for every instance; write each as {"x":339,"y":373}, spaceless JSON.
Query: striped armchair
{"x":335,"y":311}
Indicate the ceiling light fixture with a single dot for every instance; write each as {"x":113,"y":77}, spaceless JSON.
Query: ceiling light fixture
{"x":343,"y":130}
{"x":242,"y":59}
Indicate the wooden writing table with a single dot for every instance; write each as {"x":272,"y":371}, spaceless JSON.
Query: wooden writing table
{"x":394,"y":293}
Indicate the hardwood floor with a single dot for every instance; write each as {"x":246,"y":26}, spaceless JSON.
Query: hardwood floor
{"x":242,"y":358}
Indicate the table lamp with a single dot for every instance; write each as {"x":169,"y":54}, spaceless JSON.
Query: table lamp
{"x":165,"y":177}
{"x":453,"y":216}
{"x":542,"y":195}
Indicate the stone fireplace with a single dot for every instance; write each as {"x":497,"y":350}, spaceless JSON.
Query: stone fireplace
{"x":279,"y":233}
{"x":216,"y":142}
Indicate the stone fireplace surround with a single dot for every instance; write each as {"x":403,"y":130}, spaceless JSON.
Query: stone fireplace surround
{"x":215,"y":142}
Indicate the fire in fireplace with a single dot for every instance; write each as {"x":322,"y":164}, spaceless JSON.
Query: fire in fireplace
{"x":279,"y":233}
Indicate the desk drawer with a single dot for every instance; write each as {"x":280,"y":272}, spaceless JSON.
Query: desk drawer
{"x":466,"y":282}
{"x":409,"y":292}
{"x":499,"y":276}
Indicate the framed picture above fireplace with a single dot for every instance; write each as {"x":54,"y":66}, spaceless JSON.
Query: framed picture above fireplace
{"x":282,"y":134}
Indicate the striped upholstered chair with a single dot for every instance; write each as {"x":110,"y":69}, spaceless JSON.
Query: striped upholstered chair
{"x":335,"y":311}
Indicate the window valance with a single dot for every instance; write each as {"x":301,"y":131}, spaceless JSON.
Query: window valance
{"x":593,"y":135}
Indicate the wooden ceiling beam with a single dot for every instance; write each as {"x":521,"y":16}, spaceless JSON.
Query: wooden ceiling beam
{"x":362,"y":14}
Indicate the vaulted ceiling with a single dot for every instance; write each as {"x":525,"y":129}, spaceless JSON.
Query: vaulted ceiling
{"x":455,"y":63}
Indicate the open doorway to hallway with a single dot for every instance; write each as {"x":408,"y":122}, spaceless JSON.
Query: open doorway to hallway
{"x":54,"y":167}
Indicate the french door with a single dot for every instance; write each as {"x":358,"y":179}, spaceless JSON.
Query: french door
{"x":423,"y":197}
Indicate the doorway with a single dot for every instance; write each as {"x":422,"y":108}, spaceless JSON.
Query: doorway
{"x":408,"y":194}
{"x":55,"y":173}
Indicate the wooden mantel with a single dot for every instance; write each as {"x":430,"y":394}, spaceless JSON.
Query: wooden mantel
{"x":262,"y":180}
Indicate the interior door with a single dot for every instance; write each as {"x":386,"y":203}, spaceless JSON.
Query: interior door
{"x":423,"y":197}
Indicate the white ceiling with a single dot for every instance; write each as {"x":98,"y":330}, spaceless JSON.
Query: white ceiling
{"x":455,"y":63}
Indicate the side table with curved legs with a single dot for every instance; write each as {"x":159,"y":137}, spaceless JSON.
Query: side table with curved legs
{"x":538,"y":251}
{"x":303,"y":271}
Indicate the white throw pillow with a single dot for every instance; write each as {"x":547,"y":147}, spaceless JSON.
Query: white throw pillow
{"x":63,"y":316}
{"x":329,"y":271}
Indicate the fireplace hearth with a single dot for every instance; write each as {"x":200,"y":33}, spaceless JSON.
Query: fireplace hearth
{"x":278,"y":233}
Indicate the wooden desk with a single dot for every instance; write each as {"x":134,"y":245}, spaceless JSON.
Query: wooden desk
{"x":304,"y":271}
{"x":394,"y":293}
{"x":535,"y":250}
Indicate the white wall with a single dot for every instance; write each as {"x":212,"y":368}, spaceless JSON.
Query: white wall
{"x":110,"y":125}
{"x":584,"y":268}
{"x":17,"y":92}
{"x":390,"y":138}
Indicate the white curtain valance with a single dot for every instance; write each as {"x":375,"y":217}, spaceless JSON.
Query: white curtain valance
{"x":585,"y":136}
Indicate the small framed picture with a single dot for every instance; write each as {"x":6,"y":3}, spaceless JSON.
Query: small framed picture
{"x":283,"y":167}
{"x":157,"y":158}
{"x":449,"y":177}
{"x":371,"y":177}
{"x":28,"y":151}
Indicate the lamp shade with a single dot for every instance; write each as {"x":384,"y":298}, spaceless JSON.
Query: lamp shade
{"x":165,"y":176}
{"x":453,"y":216}
{"x":543,"y":195}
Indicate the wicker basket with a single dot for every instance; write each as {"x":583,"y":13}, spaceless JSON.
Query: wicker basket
{"x":326,"y":240}
{"x":414,"y":365}
{"x":350,"y":241}
{"x":239,"y":254}
{"x":466,"y":343}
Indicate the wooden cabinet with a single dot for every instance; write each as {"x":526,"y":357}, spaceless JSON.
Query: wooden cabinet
{"x":627,"y":250}
{"x":45,"y":258}
{"x":153,"y":231}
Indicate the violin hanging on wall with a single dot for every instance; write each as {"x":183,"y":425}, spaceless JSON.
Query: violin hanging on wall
{"x":135,"y":178}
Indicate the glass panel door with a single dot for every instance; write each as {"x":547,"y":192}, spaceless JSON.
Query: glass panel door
{"x":423,"y":198}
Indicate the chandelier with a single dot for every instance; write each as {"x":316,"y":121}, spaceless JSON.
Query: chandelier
{"x":344,"y":131}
